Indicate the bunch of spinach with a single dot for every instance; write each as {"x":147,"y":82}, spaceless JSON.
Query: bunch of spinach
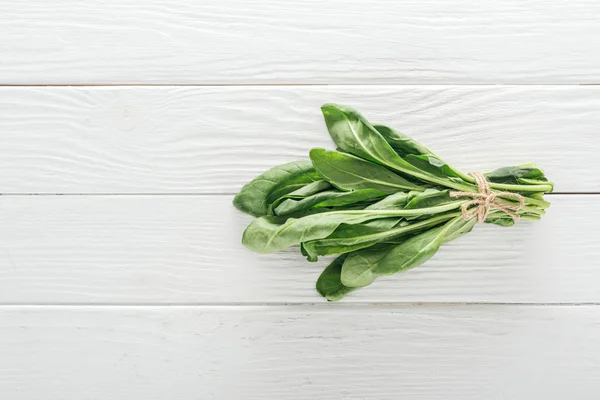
{"x":381,"y":202}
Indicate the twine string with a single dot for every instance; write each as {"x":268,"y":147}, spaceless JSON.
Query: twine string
{"x":483,"y":201}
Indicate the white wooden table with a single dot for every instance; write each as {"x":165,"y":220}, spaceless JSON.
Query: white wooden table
{"x":127,"y":125}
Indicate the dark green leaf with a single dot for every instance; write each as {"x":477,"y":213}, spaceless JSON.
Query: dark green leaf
{"x":514,"y":174}
{"x":431,"y":164}
{"x":309,"y":190}
{"x":256,"y":196}
{"x":352,"y":133}
{"x":402,"y":144}
{"x":429,"y":198}
{"x":355,"y":135}
{"x":500,"y":219}
{"x":348,"y":172}
{"x":329,"y":284}
{"x":415,"y":153}
{"x":394,"y":201}
{"x":362,"y":267}
{"x":325,"y":199}
{"x":303,"y":192}
{"x":347,"y":238}
{"x":270,"y":234}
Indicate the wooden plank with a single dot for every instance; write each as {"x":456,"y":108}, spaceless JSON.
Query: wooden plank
{"x":308,"y":41}
{"x":186,"y":249}
{"x":213,"y":140}
{"x":379,"y":352}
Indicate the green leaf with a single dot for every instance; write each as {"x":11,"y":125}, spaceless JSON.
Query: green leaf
{"x":432,"y":165}
{"x":347,"y":238}
{"x":363,"y":196}
{"x":326,"y":199}
{"x":348,"y":172}
{"x":270,"y":234}
{"x":352,"y":133}
{"x":363,"y":267}
{"x":415,"y":153}
{"x":329,"y":284}
{"x":420,"y":248}
{"x":402,"y":144}
{"x":514,"y":175}
{"x":500,"y":218}
{"x":357,"y":270}
{"x":462,"y":227}
{"x":392,"y":202}
{"x":308,"y":190}
{"x":256,"y":196}
{"x":429,"y":198}
{"x":303,"y":192}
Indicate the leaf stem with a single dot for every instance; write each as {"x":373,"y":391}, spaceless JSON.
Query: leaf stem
{"x":521,"y":188}
{"x":403,"y":213}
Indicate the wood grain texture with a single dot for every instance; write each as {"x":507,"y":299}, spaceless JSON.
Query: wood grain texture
{"x":270,"y":41}
{"x":213,"y":140}
{"x":187,"y":250}
{"x":330,"y":352}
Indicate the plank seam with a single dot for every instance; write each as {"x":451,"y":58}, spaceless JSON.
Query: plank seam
{"x":294,"y":84}
{"x":211,"y":194}
{"x":346,"y":304}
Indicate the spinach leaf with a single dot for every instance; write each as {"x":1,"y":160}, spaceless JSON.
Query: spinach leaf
{"x":308,"y":190}
{"x":392,"y":202}
{"x":269,"y":234}
{"x":303,"y":192}
{"x":329,"y":284}
{"x":402,"y":144}
{"x":500,"y":219}
{"x":256,"y":197}
{"x":353,"y":134}
{"x":432,"y":165}
{"x":326,"y":199}
{"x":515,"y":174}
{"x":348,"y":172}
{"x":362,"y":267}
{"x":349,"y":238}
{"x":417,"y":154}
{"x":428,"y":198}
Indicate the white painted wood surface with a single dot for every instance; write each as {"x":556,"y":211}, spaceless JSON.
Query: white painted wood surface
{"x":134,"y":284}
{"x":213,"y":140}
{"x":301,"y":352}
{"x":186,"y":249}
{"x":309,"y":41}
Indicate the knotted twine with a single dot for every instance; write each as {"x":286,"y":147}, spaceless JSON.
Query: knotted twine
{"x":485,"y":200}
